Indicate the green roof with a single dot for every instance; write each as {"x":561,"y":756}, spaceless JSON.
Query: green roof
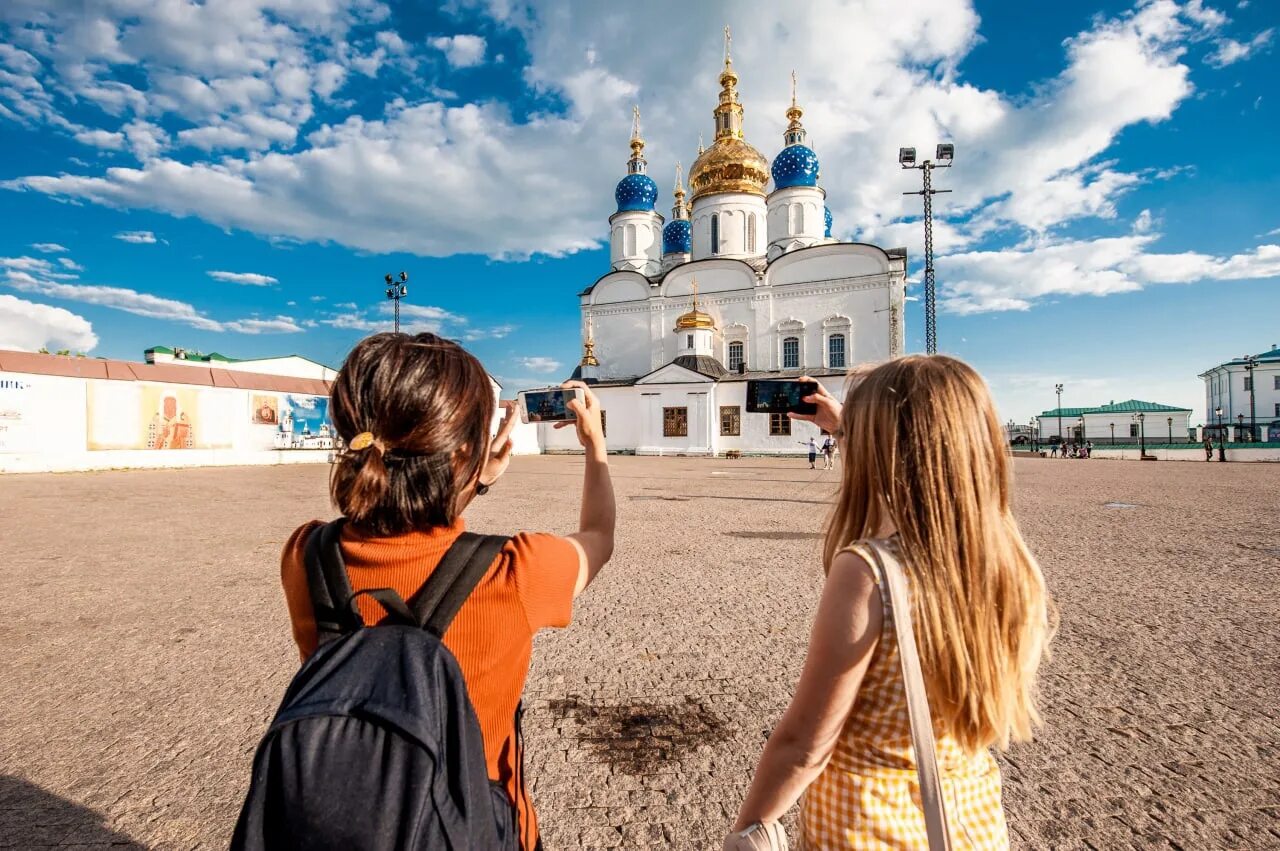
{"x":1131,"y":406}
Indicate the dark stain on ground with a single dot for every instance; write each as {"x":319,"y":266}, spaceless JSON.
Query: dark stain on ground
{"x":663,"y":498}
{"x":777,"y":536}
{"x":638,"y":737}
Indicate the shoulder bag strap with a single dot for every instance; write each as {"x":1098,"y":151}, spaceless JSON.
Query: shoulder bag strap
{"x":453,"y":580}
{"x":935,"y":813}
{"x":327,"y":583}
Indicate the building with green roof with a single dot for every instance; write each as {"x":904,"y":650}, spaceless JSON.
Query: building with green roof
{"x":1242,"y":396}
{"x":1117,"y":422}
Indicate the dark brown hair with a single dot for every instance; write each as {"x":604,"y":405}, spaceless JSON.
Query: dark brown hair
{"x":429,"y":404}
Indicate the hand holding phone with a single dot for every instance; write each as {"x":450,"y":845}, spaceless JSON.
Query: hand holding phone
{"x":548,"y":406}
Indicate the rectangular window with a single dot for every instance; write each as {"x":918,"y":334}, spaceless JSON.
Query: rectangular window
{"x":1248,"y":383}
{"x":779,"y":424}
{"x":1133,"y":429}
{"x":1278,"y":409}
{"x":1277,"y":380}
{"x":675,"y":422}
{"x":835,"y":351}
{"x":735,"y":356}
{"x":791,"y":354}
{"x":730,"y":420}
{"x":688,"y":341}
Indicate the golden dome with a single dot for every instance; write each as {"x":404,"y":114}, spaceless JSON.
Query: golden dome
{"x":694,"y":318}
{"x":730,"y":164}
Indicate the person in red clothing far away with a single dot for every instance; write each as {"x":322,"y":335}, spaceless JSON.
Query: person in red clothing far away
{"x":415,"y":412}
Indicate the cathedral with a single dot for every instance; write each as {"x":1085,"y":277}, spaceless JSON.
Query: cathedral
{"x":744,"y":281}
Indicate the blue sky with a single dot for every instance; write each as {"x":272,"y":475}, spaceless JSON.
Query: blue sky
{"x":238,"y":176}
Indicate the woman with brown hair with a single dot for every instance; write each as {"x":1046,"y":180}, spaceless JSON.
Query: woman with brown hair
{"x":926,"y":478}
{"x":415,"y":412}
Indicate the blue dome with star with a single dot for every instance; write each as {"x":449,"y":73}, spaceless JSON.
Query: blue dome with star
{"x":677,"y":237}
{"x":797,"y":165}
{"x":636,"y":192}
{"x":826,"y":215}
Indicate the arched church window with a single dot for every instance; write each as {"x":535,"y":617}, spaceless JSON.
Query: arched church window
{"x":751,"y":234}
{"x":791,"y":353}
{"x":736,"y":357}
{"x":835,"y":351}
{"x":715,"y":233}
{"x":688,"y":341}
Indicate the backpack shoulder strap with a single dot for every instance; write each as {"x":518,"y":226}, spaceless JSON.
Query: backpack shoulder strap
{"x":327,"y":583}
{"x":453,"y":580}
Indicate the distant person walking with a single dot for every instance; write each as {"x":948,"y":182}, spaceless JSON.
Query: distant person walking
{"x":1208,"y":448}
{"x":813,"y":454}
{"x":829,"y":452}
{"x":1053,"y":451}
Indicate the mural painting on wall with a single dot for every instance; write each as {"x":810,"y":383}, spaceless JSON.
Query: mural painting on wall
{"x":304,"y":423}
{"x":155,"y":416}
{"x":266,"y":410}
{"x":15,"y":401}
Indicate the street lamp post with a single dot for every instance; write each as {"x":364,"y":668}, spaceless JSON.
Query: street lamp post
{"x":1222,"y":435}
{"x":1081,"y":439}
{"x":1142,"y":434}
{"x":1239,"y":425}
{"x":1058,"y":389}
{"x":396,"y":291}
{"x":1113,"y":434}
{"x":1035,"y":437}
{"x":907,"y":159}
{"x":1170,"y":419}
{"x":1251,"y":361}
{"x":1010,"y":426}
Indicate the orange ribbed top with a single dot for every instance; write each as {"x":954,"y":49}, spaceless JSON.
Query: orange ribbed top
{"x":529,"y":586}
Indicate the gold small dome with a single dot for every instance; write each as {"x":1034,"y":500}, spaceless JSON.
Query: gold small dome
{"x":694,"y":319}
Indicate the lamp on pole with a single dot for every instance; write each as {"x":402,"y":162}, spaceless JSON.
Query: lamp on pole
{"x":944,"y":154}
{"x":1009,"y":425}
{"x":1113,"y":434}
{"x":1251,"y":361}
{"x":1142,"y":434}
{"x":1058,"y":389}
{"x":396,"y":291}
{"x":1222,"y":435}
{"x":1170,"y":419}
{"x":1080,"y":439}
{"x":1035,"y":436}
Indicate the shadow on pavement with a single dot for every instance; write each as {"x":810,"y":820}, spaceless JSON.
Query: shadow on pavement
{"x":30,"y":817}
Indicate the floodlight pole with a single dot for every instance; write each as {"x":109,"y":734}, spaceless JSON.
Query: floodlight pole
{"x":1250,"y":362}
{"x":930,"y":300}
{"x":395,"y":292}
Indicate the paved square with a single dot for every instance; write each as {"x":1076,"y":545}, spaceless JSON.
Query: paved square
{"x":146,"y":646}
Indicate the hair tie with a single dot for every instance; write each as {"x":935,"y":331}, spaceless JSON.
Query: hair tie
{"x":364,"y":440}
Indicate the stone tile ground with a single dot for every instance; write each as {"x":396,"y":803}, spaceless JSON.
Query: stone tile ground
{"x":146,"y":646}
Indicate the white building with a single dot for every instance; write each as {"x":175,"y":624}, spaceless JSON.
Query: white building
{"x":1245,"y":390}
{"x":1117,"y":423}
{"x":740,"y":283}
{"x":293,"y":366}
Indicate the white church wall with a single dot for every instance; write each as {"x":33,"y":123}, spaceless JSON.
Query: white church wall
{"x":738,"y":213}
{"x":623,"y":341}
{"x":826,"y":263}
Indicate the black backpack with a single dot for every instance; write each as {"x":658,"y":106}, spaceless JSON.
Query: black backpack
{"x":376,"y":745}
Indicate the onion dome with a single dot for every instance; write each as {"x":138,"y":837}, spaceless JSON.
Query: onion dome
{"x":694,"y":318}
{"x":826,"y":215}
{"x":636,"y":191}
{"x":797,"y":165}
{"x":730,"y":164}
{"x":677,"y":236}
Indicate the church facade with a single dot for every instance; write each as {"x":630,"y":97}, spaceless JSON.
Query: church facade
{"x":743,"y":281}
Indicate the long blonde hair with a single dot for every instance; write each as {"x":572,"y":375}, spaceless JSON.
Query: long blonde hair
{"x":923,"y":448}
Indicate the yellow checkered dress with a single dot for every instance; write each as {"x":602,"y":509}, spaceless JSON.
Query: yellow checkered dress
{"x":868,"y":797}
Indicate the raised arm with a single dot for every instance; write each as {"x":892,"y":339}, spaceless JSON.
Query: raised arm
{"x":594,"y":538}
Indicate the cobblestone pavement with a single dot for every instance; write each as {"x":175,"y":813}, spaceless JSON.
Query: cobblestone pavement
{"x":146,"y":647}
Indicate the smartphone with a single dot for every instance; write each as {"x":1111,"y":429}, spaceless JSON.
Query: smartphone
{"x":780,"y":396}
{"x":548,"y":406}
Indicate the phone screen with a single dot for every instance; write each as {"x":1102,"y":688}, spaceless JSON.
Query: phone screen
{"x":547,"y":406}
{"x":780,"y":396}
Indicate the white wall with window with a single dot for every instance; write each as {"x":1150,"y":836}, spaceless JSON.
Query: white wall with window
{"x":1227,"y":386}
{"x":791,"y":348}
{"x":836,"y":342}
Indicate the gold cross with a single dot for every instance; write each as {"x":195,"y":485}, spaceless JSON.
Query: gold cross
{"x":793,"y":88}
{"x":635,"y":122}
{"x":728,"y":42}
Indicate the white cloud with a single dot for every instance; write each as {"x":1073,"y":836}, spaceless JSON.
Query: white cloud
{"x":277,"y":325}
{"x":39,"y":266}
{"x":107,"y":139}
{"x":138,"y":237}
{"x":347,"y":305}
{"x":27,"y":326}
{"x":488,"y":182}
{"x":68,"y":263}
{"x":495,"y":332}
{"x":1018,"y":278}
{"x":539,"y":364}
{"x":49,"y":247}
{"x":252,"y":279}
{"x":1229,"y":51}
{"x":461,"y":51}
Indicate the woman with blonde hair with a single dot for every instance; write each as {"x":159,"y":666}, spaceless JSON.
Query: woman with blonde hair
{"x":926,"y":479}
